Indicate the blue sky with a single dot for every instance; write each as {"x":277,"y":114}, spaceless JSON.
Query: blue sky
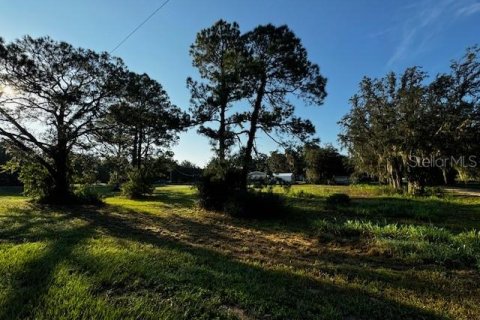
{"x":348,"y":39}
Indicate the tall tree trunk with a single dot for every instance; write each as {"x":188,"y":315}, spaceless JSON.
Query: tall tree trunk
{"x":139,"y":148}
{"x":395,"y":174}
{"x":398,"y":173}
{"x":60,"y":192}
{"x":252,"y":133}
{"x":221,"y":133}
{"x":445,"y":176}
{"x":448,"y":176}
{"x":222,"y":130}
{"x":134,"y":151}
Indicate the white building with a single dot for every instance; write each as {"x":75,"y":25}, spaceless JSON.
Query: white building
{"x":285,"y":177}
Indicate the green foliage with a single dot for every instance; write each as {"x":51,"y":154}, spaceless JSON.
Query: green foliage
{"x":37,"y":183}
{"x":323,"y":163}
{"x":84,"y":169}
{"x":115,"y":180}
{"x":139,"y":184}
{"x":256,"y":205}
{"x":220,"y":189}
{"x":278,"y":63}
{"x":467,"y":174}
{"x":277,"y":162}
{"x":143,"y":124}
{"x":87,"y":194}
{"x":338,"y":199}
{"x":220,"y":56}
{"x":7,"y":176}
{"x":61,"y":92}
{"x":217,"y":185}
{"x":408,"y":120}
{"x":260,"y":66}
{"x":185,"y":172}
{"x":433,"y":192}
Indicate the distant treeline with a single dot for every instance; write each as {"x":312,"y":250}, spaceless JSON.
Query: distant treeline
{"x":404,"y":128}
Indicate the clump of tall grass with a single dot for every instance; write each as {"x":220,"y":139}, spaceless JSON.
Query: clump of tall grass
{"x":397,"y":208}
{"x":426,"y":244}
{"x":302,"y":194}
{"x":377,"y":190}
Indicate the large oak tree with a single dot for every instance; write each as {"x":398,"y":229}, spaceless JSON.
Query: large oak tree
{"x":53,"y":97}
{"x":397,"y":121}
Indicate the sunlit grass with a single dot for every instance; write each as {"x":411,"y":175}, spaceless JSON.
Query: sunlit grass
{"x":180,"y":199}
{"x":382,"y":257}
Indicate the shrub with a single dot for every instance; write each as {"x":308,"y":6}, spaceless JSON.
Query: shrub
{"x":219,"y":189}
{"x":37,"y":183}
{"x":86,"y":194}
{"x":338,"y":199}
{"x":138,"y":184}
{"x":433,"y":192}
{"x":217,"y":186}
{"x":255,"y":204}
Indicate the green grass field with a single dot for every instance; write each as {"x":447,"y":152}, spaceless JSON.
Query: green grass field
{"x":384,"y":256}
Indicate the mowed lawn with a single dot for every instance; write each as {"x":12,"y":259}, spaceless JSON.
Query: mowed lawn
{"x":381,"y":257}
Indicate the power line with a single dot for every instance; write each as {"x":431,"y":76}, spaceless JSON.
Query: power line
{"x":139,"y":26}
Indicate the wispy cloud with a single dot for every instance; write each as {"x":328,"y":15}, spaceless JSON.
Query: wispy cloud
{"x":469,"y":9}
{"x":381,"y":33}
{"x":422,"y":22}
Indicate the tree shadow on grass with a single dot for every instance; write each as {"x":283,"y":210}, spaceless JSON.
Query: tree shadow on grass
{"x":171,"y":198}
{"x":304,"y":212}
{"x":24,"y":224}
{"x":32,"y":282}
{"x":271,"y":248}
{"x":256,"y":290}
{"x":267,"y":291}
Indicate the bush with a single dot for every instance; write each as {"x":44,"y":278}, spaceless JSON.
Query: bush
{"x":220,"y":189}
{"x":255,"y":204}
{"x":433,"y":192}
{"x":86,"y":194}
{"x":338,"y":199}
{"x":37,"y":183}
{"x":219,"y":182}
{"x":138,"y":184}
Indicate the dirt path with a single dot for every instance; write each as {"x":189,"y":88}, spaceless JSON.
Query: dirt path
{"x":463,"y":191}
